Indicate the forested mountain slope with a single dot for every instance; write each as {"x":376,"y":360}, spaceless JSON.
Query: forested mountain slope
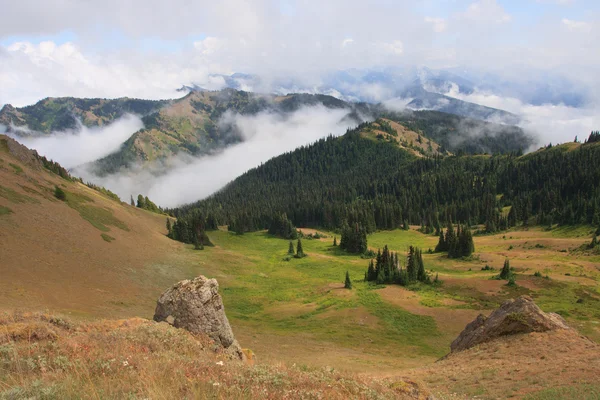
{"x":381,"y":186}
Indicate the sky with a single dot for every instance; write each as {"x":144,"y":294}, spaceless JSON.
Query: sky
{"x":149,"y":48}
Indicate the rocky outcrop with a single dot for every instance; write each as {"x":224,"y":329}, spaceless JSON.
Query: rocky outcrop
{"x":514,"y":316}
{"x":195,"y":305}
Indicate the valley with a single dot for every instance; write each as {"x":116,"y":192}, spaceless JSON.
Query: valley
{"x":293,"y":312}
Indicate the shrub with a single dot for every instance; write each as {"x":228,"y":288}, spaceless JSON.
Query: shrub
{"x":59,"y":193}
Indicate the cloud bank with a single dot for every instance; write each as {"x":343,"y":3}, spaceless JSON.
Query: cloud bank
{"x":82,"y":145}
{"x":548,"y":122}
{"x":265,"y":135}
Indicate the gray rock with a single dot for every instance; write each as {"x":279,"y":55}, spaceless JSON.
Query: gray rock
{"x":196,"y":306}
{"x":514,"y":316}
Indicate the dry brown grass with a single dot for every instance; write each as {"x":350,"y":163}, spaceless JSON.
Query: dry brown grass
{"x":137,"y":358}
{"x":515,"y":366}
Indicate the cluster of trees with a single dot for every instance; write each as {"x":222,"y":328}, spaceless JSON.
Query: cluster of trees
{"x":379,"y":186}
{"x":282,"y":227}
{"x":387,"y":269}
{"x":457,"y":244}
{"x":146,"y":204}
{"x":298,"y":252}
{"x":506,"y":273}
{"x":594,"y":137}
{"x":191,"y":230}
{"x":354,"y":239}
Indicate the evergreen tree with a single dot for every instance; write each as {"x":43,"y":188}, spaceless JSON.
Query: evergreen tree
{"x":291,"y":250}
{"x":132,"y":202}
{"x":441,"y":246}
{"x":197,"y":244}
{"x":371,"y":272}
{"x":348,"y":282}
{"x":299,"y":250}
{"x":334,"y":241}
{"x":140,"y":201}
{"x":169,"y":227}
{"x":354,"y":239}
{"x":412,"y":265}
{"x":505,"y":273}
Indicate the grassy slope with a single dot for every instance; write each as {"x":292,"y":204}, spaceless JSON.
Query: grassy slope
{"x":54,"y":254}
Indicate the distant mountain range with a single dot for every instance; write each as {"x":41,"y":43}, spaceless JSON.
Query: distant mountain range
{"x":423,"y":88}
{"x":194,"y":125}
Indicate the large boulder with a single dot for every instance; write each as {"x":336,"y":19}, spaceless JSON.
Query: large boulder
{"x":195,"y":305}
{"x":514,"y":316}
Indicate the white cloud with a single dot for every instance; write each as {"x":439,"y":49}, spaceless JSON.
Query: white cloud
{"x":577,"y":26}
{"x":347,"y":42}
{"x":486,"y":11}
{"x":439,"y":24}
{"x":266,"y":135}
{"x":83,"y":145}
{"x":396,"y":47}
{"x":549,"y":123}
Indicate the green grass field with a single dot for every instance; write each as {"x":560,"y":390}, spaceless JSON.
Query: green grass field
{"x":305,"y":298}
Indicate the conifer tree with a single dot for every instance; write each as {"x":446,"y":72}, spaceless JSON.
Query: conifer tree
{"x":169,"y":227}
{"x":412,"y":265}
{"x":291,"y":250}
{"x":371,"y":273}
{"x":348,"y":282}
{"x":299,"y":250}
{"x":140,"y":201}
{"x":132,"y":202}
{"x":441,"y":246}
{"x":197,"y":243}
{"x":505,"y":273}
{"x":334,"y":241}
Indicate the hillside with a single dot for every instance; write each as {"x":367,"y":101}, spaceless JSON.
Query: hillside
{"x":387,"y":130}
{"x":383,"y":184}
{"x":87,"y":255}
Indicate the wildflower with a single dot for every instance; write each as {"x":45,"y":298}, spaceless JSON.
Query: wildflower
{"x":125,"y":363}
{"x":219,"y":362}
{"x":216,"y":384}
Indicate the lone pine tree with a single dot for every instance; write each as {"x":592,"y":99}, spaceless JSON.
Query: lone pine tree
{"x":348,"y":282}
{"x":291,"y":250}
{"x":505,"y":273}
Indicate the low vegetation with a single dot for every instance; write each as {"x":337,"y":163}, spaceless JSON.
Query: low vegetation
{"x":44,"y":356}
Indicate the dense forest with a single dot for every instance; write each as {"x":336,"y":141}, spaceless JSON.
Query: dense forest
{"x":353,"y":181}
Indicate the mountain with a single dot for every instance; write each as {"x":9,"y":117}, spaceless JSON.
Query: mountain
{"x":422,"y":99}
{"x":67,"y":113}
{"x":191,"y":125}
{"x":198,"y":124}
{"x":381,"y":183}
